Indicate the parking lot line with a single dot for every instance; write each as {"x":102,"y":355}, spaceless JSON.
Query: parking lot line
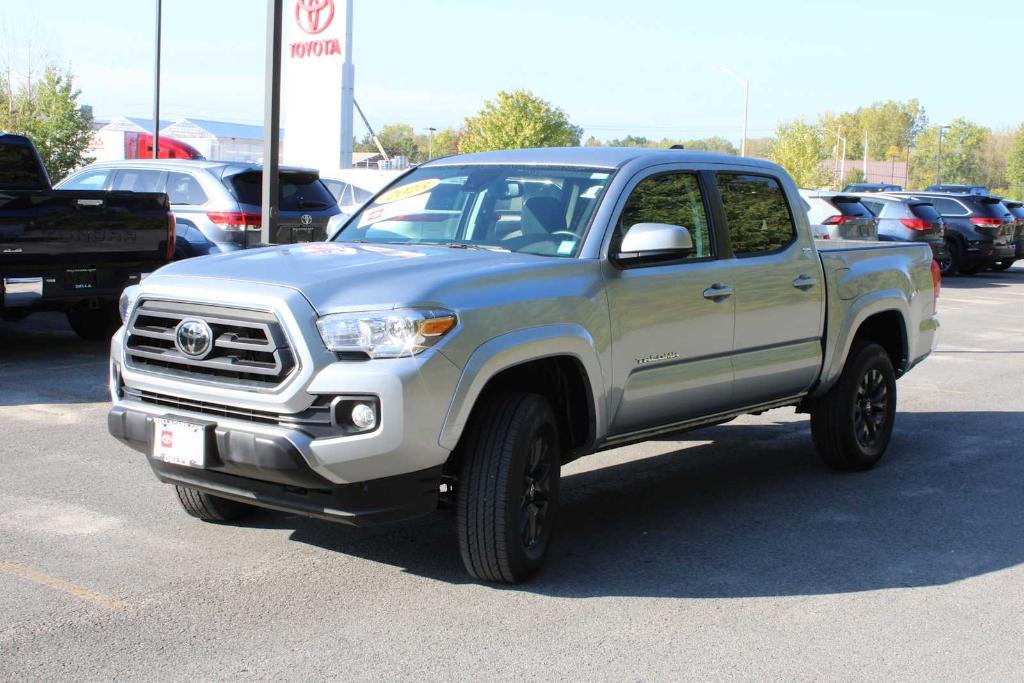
{"x":80,"y":592}
{"x":50,"y":368}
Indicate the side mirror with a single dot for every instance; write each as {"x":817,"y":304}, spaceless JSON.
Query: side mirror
{"x":652,"y":243}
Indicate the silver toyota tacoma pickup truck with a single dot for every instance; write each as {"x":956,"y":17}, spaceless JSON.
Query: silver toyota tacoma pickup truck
{"x":487,"y":318}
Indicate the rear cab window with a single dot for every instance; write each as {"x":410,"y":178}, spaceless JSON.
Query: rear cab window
{"x":19,"y":168}
{"x":757,"y":213}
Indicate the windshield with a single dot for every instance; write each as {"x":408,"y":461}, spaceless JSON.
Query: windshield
{"x":528,"y":209}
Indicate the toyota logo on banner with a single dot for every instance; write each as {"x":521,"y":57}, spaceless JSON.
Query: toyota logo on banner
{"x":314,"y":16}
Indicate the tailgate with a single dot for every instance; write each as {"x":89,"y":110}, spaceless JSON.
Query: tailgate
{"x":75,"y":226}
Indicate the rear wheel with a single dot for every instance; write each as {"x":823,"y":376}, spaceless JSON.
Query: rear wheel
{"x":94,"y":323}
{"x":211,"y":508}
{"x":1003,"y":265}
{"x":507,"y":494}
{"x":950,"y":262}
{"x":852,"y":424}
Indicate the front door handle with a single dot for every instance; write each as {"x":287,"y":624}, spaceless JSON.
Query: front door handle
{"x":718,"y":292}
{"x":804,"y":282}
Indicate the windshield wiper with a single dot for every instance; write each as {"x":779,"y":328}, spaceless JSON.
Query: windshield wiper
{"x":466,"y":245}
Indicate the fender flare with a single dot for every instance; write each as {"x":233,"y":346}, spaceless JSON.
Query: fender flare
{"x":882,"y":301}
{"x":515,"y":348}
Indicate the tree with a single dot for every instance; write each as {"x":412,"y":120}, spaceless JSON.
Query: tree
{"x":887,"y":124}
{"x":1015,"y":164}
{"x":48,"y":113}
{"x":961,"y":154}
{"x":800,"y":148}
{"x":518,"y":120}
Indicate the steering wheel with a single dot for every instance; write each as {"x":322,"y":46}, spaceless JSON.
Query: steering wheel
{"x":565,"y":234}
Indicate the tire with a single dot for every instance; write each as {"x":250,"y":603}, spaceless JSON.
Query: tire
{"x":1000,"y":266}
{"x":951,"y":264}
{"x":507,"y":494}
{"x":845,"y":437}
{"x":211,"y":508}
{"x":94,"y":324}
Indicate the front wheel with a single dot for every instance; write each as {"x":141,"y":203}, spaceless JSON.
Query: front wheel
{"x":852,"y":423}
{"x":209,"y":508}
{"x":507,"y":494}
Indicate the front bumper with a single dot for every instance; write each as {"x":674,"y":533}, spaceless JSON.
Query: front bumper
{"x":414,"y":396}
{"x":270,"y":471}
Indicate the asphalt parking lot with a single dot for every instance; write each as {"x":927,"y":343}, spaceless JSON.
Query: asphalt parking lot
{"x":728,"y":554}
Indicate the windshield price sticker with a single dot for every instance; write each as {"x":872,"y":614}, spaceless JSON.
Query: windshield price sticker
{"x":406,"y":191}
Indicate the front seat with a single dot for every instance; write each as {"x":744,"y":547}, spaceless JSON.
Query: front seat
{"x":542,"y":215}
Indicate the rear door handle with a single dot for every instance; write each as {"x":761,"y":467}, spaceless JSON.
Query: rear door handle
{"x":718,"y":292}
{"x":805,"y":282}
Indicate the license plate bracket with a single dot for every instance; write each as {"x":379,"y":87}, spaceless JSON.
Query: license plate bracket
{"x":178,"y":441}
{"x":80,"y":278}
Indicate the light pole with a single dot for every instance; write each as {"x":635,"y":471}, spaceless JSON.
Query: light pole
{"x":156,"y":82}
{"x":840,"y":165}
{"x":271,"y":122}
{"x":938,"y":157}
{"x":746,"y":103}
{"x":430,"y":143}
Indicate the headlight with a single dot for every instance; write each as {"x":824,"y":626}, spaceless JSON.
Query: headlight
{"x":127,"y":302}
{"x":385,"y":334}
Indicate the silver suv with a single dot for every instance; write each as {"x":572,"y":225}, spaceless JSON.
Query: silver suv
{"x":216,"y":204}
{"x":908,"y":219}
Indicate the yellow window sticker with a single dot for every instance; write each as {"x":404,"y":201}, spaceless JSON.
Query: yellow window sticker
{"x":406,"y":191}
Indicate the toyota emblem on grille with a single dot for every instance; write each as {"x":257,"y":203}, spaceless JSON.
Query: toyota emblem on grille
{"x":194,"y":338}
{"x":306,"y":219}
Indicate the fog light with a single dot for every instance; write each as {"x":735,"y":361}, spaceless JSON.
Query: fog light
{"x":364,"y":417}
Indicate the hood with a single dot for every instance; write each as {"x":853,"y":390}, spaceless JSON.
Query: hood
{"x":337,"y":277}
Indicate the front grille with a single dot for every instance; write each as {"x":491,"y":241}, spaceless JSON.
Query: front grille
{"x":315,"y":420}
{"x":249,"y":349}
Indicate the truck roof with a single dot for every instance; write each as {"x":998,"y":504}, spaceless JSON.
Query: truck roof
{"x":601,"y":157}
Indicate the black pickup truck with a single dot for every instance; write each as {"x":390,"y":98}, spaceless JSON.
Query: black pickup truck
{"x":73,"y":250}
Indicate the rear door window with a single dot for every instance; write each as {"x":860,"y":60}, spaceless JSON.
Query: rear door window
{"x":138,"y":180}
{"x":185,"y":190}
{"x":296,"y":191}
{"x":756,"y":212}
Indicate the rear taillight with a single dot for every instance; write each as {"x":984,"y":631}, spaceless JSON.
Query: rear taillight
{"x":171,"y":236}
{"x":916,"y":223}
{"x":987,"y":222}
{"x":236,"y":220}
{"x":838,"y":220}
{"x":936,"y":277}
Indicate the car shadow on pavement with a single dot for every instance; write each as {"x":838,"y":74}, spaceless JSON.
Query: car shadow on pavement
{"x":747,"y":511}
{"x":43,"y":361}
{"x":984,"y":280}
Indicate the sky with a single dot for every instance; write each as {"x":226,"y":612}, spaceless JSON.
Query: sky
{"x":642,"y":67}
